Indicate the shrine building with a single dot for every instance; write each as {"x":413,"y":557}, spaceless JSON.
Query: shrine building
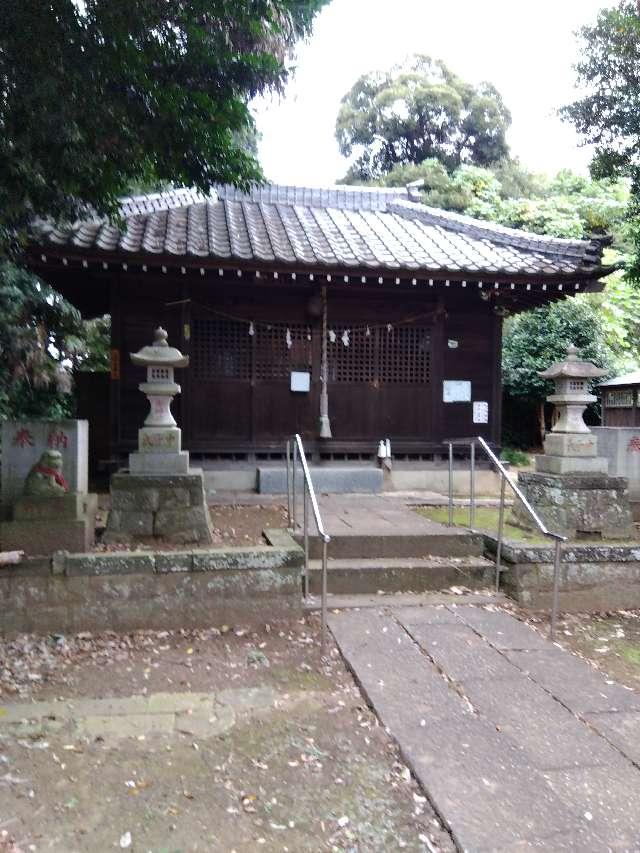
{"x":347,"y":314}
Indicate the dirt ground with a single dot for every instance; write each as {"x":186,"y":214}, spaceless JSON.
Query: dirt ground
{"x":313,"y":772}
{"x":233,"y":525}
{"x":611,"y":641}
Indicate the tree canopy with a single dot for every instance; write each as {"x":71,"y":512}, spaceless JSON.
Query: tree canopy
{"x":42,"y":340}
{"x":103,"y":97}
{"x":102,"y":93}
{"x":608,"y":114}
{"x":416,"y":111}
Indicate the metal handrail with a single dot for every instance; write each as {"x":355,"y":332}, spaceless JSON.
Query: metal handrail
{"x":504,"y":479}
{"x":309,"y":494}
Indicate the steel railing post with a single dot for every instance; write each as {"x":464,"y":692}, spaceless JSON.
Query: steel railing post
{"x":293,"y":484}
{"x":450,"y":484}
{"x":472,"y":486}
{"x":305,"y":522}
{"x":323,"y":641}
{"x":289,"y":512}
{"x":556,"y":586}
{"x":503,"y":485}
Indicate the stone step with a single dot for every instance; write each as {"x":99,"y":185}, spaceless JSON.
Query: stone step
{"x":351,"y":577}
{"x":327,"y":479}
{"x":427,"y":598}
{"x":455,"y":542}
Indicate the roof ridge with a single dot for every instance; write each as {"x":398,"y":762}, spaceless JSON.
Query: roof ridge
{"x":497,"y":233}
{"x":339,"y":196}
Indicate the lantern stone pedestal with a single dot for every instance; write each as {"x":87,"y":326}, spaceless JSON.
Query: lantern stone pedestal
{"x":160,"y":496}
{"x":172,"y":508}
{"x":571,"y":488}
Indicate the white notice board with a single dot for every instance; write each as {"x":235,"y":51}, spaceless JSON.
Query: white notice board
{"x":480,"y":412}
{"x":456,"y":391}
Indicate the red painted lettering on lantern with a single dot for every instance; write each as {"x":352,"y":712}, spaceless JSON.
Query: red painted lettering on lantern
{"x":634,"y":444}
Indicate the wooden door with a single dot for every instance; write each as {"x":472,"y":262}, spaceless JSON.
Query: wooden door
{"x":380,"y":382}
{"x":241,"y":383}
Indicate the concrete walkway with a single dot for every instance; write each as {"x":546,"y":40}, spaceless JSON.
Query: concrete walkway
{"x":518,"y":744}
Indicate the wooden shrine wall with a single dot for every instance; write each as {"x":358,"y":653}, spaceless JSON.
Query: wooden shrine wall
{"x":388,"y":355}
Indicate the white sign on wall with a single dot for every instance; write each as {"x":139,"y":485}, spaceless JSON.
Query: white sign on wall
{"x":300,"y":381}
{"x":480,"y":412}
{"x":456,"y":391}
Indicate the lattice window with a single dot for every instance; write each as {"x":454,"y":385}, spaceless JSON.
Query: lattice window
{"x":620,"y":399}
{"x":353,"y":363}
{"x":404,"y":355}
{"x":221,"y":349}
{"x":400,"y":356}
{"x":576,"y":385}
{"x":160,"y":373}
{"x":278,"y":353}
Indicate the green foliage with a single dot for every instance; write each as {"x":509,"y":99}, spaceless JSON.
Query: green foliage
{"x":92,"y":349}
{"x":567,"y":205}
{"x":99,"y":94}
{"x":608,"y":115}
{"x":514,"y":456}
{"x":416,"y":111}
{"x":42,"y":339}
{"x":535,"y":339}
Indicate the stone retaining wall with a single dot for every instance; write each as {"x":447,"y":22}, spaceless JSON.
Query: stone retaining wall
{"x":592,"y":577}
{"x":129,"y":590}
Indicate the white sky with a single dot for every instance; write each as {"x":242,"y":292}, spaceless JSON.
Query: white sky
{"x":526,"y":49}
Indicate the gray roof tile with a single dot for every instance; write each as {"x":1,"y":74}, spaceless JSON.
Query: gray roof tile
{"x":335,"y":227}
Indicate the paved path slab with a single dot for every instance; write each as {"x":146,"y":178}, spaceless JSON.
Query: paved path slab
{"x":515,"y":741}
{"x":477,"y":778}
{"x":622,"y":729}
{"x":573,"y":681}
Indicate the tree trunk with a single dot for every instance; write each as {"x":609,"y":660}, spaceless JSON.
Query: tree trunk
{"x":541,"y":423}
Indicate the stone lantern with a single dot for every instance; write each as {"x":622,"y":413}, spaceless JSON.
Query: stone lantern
{"x":571,"y":446}
{"x":160,"y":439}
{"x":160,"y":497}
{"x":571,"y":489}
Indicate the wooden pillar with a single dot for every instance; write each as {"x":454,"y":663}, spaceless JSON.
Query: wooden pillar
{"x":116,"y":366}
{"x":186,"y":378}
{"x":325,"y":422}
{"x":437,"y":373}
{"x":496,"y":419}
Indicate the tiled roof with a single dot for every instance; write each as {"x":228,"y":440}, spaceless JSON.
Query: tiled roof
{"x":627,"y":379}
{"x":333,"y":228}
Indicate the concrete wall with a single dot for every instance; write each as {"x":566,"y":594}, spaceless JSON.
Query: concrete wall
{"x":621,"y":446}
{"x":126,"y":591}
{"x":419,"y":477}
{"x":592,"y":577}
{"x":437,"y":480}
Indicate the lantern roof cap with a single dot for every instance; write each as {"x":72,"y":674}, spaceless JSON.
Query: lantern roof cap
{"x":572,"y":367}
{"x":160,"y":353}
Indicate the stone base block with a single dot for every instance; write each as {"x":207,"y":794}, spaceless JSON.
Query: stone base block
{"x":571,"y":465}
{"x":156,"y":463}
{"x":72,"y":505}
{"x":577,"y":505}
{"x":37,"y":537}
{"x":571,"y":444}
{"x":170,"y":508}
